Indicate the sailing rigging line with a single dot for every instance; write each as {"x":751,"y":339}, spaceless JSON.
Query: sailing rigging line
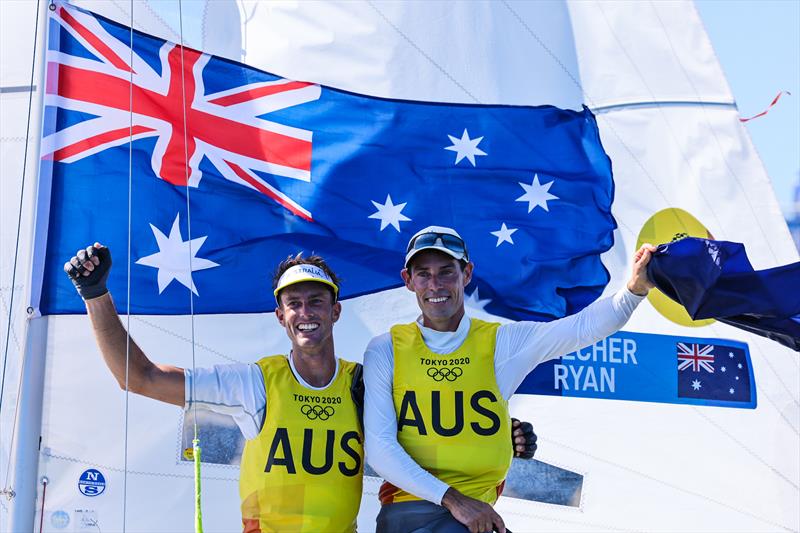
{"x":128,"y":288}
{"x":196,"y":440}
{"x":16,"y":255}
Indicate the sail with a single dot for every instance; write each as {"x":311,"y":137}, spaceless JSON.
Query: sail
{"x":682,"y":165}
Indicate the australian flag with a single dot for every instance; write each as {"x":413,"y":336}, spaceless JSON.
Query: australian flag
{"x":713,"y":372}
{"x":219,"y":171}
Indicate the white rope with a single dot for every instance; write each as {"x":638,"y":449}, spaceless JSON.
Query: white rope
{"x":128,"y":295}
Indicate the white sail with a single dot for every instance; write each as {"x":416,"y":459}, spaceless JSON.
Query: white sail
{"x":668,"y":122}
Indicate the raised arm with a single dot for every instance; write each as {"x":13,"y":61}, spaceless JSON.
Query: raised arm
{"x":523,"y":345}
{"x":88,"y":270}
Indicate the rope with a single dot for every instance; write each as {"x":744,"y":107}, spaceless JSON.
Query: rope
{"x":128,"y":276}
{"x":44,"y":495}
{"x":16,"y":256}
{"x":198,"y":511}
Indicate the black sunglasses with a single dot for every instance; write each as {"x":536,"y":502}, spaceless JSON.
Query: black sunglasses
{"x":451,"y":242}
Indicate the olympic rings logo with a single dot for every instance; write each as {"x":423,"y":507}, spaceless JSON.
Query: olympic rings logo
{"x":314,"y":412}
{"x":450,"y":374}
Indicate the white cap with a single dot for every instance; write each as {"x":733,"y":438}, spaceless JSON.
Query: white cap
{"x":438,"y":244}
{"x":305,"y":272}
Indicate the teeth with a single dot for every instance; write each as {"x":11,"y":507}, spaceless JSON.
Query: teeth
{"x":307,"y":327}
{"x":437,"y":300}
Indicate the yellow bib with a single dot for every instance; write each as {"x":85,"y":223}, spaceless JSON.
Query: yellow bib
{"x":303,"y":471}
{"x":451,"y":417}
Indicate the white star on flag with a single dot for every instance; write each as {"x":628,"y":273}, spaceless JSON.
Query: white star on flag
{"x":173,"y":258}
{"x":504,"y":234}
{"x":730,"y":390}
{"x":536,"y":194}
{"x":474,"y":301}
{"x":465,"y":147}
{"x":696,"y":384}
{"x":723,"y":369}
{"x":388,"y":213}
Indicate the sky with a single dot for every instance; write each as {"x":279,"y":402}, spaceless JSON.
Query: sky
{"x":758,"y":45}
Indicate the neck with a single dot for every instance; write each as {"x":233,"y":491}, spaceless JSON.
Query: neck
{"x":316,"y":367}
{"x":443,"y":324}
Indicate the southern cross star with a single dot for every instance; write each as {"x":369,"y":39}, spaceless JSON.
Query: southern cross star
{"x":465,"y":147}
{"x":536,"y":194}
{"x":504,"y":234}
{"x":474,"y":301}
{"x":388,"y":213}
{"x":174,"y":257}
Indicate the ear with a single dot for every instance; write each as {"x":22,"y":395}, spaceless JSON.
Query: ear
{"x":406,"y":275}
{"x":336,"y":311}
{"x":280,"y":315}
{"x":468,"y":273}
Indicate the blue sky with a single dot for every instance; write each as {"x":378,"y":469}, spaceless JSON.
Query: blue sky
{"x":758,"y":45}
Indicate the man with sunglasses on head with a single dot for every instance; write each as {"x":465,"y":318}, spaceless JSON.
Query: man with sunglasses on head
{"x":437,"y":389}
{"x":302,"y":465}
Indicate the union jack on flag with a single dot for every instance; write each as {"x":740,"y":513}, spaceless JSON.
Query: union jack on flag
{"x":131,"y":99}
{"x":696,"y":356}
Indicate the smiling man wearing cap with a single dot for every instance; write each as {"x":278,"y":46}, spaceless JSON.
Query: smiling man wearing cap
{"x":302,"y":465}
{"x":437,"y":389}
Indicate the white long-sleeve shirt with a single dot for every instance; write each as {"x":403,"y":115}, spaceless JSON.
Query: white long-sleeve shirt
{"x":519,"y":348}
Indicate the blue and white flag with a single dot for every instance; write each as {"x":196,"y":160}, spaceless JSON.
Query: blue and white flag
{"x":273,"y":166}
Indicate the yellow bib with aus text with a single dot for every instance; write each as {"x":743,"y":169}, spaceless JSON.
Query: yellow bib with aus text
{"x":303,"y":471}
{"x":451,"y":417}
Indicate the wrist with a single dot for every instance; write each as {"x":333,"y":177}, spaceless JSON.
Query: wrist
{"x":637,"y":290}
{"x":449,"y":498}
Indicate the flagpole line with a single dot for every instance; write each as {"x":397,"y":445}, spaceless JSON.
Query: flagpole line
{"x":128,"y":295}
{"x":16,"y":257}
{"x":198,"y":512}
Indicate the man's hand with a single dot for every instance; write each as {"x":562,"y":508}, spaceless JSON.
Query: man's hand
{"x":88,"y":269}
{"x":524,"y":439}
{"x":478,"y":516}
{"x":639,"y":283}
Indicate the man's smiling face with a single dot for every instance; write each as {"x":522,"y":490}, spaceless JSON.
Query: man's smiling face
{"x":438,"y":280}
{"x":307,"y":312}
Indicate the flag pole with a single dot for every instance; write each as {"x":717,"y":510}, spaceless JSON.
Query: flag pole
{"x":27,"y":429}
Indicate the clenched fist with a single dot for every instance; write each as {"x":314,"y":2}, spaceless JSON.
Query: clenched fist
{"x":88,"y":269}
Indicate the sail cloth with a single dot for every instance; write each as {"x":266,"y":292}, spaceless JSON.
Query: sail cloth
{"x":278,"y":166}
{"x":714,"y":279}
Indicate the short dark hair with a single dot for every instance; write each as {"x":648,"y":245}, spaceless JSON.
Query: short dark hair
{"x":313,"y":259}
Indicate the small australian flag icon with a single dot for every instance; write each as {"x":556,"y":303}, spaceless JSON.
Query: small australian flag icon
{"x":713,"y":372}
